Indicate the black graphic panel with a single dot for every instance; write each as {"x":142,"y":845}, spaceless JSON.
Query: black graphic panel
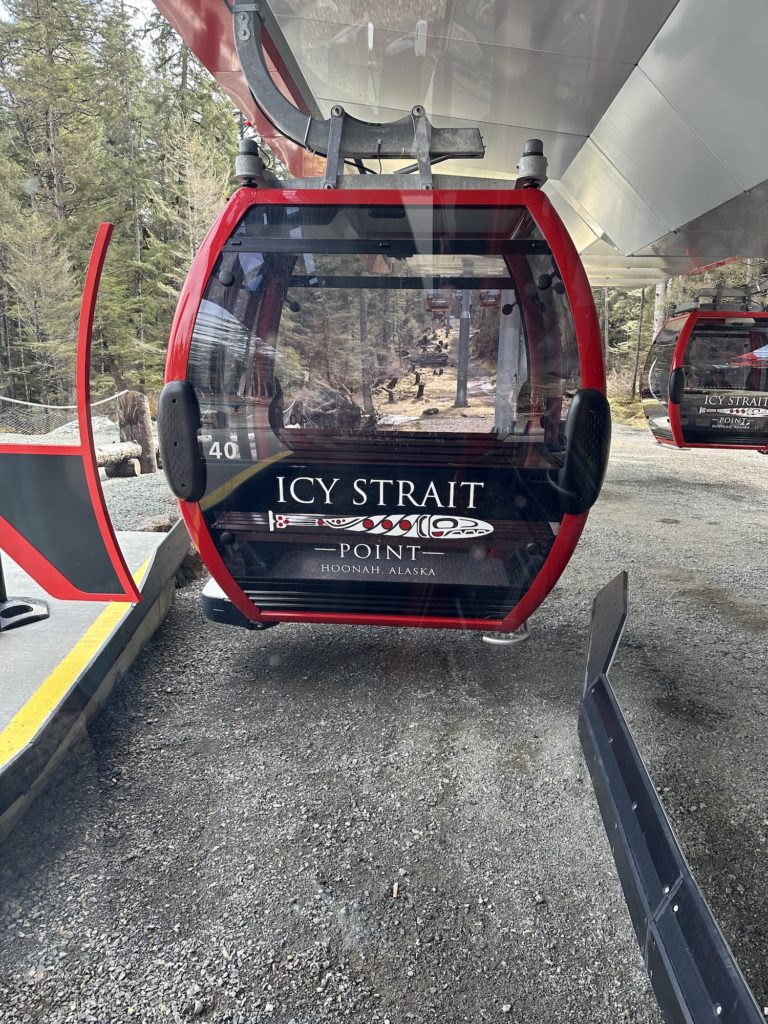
{"x":45,"y":498}
{"x":395,"y":537}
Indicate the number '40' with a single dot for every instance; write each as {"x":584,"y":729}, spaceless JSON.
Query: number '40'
{"x":229,"y":450}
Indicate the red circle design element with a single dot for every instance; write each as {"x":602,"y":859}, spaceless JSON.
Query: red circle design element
{"x":321,"y":522}
{"x":368,"y":524}
{"x":405,"y":524}
{"x":387,"y":524}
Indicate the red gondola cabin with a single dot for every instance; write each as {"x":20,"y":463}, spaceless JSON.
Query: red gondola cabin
{"x":336,"y":461}
{"x":705,"y":382}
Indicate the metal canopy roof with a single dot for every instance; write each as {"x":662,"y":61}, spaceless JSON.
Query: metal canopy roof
{"x":651,"y":113}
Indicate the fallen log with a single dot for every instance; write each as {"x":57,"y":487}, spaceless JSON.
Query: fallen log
{"x":111,"y":454}
{"x":128,"y":467}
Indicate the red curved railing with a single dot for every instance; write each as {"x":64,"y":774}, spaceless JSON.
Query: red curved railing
{"x":12,"y":539}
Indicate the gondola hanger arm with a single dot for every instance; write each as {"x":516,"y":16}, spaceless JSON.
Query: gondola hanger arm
{"x":342,"y":136}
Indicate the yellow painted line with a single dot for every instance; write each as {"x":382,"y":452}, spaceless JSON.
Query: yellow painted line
{"x":27,"y":722}
{"x":217,"y":496}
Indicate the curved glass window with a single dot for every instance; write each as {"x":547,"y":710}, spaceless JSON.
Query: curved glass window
{"x":372,"y":320}
{"x":655,"y":388}
{"x":383,"y":393}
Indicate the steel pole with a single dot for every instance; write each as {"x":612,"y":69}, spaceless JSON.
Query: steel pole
{"x":463,"y":356}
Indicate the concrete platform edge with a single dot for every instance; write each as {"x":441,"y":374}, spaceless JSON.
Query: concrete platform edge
{"x":24,"y":777}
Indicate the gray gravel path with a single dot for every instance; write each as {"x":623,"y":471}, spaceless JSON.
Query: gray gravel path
{"x":131,"y":501}
{"x":336,"y":823}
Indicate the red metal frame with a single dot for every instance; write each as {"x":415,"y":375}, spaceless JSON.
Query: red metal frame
{"x":559,"y":556}
{"x":38,"y":567}
{"x":678,"y":360}
{"x":39,"y":449}
{"x":83,"y":389}
{"x":590,"y":357}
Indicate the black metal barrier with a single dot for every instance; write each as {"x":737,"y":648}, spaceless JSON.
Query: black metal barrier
{"x":18,"y":611}
{"x":693,"y":972}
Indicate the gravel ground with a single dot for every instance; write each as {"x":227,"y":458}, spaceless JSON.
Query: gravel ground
{"x":105,"y":431}
{"x":335,"y":823}
{"x":131,"y":501}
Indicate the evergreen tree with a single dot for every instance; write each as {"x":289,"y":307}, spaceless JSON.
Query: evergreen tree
{"x":101,"y":118}
{"x":42,"y":304}
{"x":46,"y":86}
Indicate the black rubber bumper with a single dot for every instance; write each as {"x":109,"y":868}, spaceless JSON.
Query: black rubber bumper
{"x":693,"y":972}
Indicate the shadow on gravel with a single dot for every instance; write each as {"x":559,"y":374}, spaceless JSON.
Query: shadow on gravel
{"x":341,"y":662}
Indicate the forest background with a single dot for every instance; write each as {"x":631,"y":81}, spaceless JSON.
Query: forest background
{"x":106,"y":115}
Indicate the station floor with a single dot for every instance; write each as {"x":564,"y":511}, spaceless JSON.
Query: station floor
{"x":32,"y":652}
{"x":348,"y":824}
{"x":55,"y":673}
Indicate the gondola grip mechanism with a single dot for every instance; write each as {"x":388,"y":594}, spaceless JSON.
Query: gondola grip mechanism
{"x":341,"y":136}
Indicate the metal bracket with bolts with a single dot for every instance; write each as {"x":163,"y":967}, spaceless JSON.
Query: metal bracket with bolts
{"x":343,"y":136}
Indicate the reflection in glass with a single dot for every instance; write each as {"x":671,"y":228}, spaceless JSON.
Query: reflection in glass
{"x":383,"y":393}
{"x":394,"y":313}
